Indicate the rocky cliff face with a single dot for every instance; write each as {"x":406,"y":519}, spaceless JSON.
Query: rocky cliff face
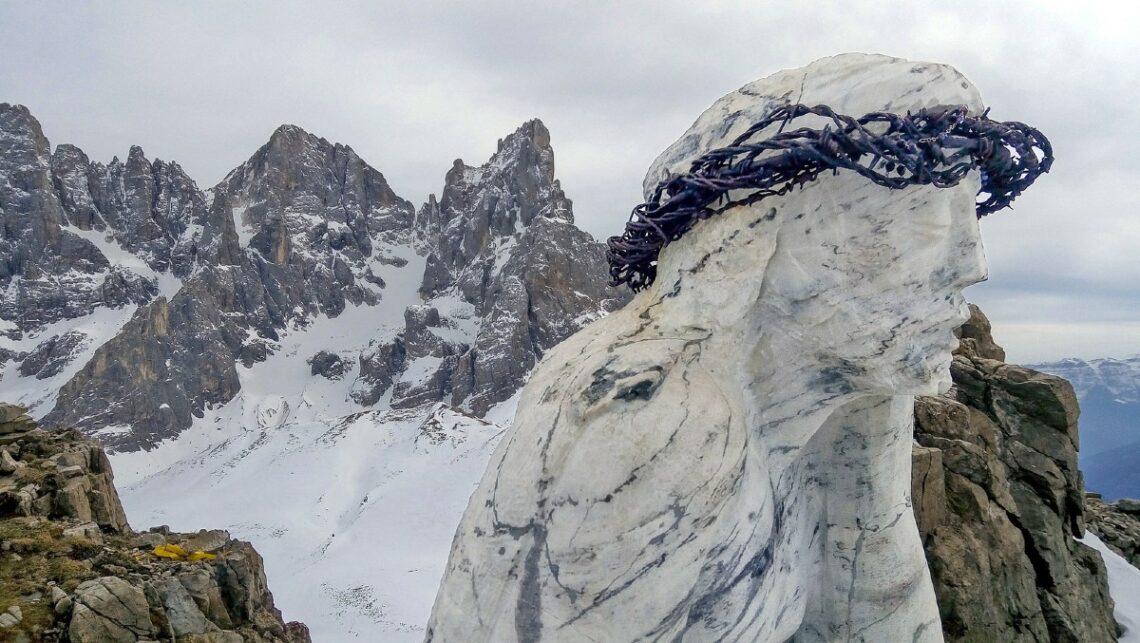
{"x":53,"y":258}
{"x":74,"y":570}
{"x":502,"y":240}
{"x":299,"y":229}
{"x":999,"y":500}
{"x":130,"y":301}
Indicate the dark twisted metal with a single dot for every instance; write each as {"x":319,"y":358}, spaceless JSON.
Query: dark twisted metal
{"x":936,"y":146}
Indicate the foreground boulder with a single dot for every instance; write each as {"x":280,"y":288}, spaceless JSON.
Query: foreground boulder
{"x":72,"y":569}
{"x":999,"y":500}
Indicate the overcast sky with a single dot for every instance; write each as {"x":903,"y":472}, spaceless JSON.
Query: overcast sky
{"x":413,"y":86}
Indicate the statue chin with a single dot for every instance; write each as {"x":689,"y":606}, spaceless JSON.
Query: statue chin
{"x":930,"y":374}
{"x":943,"y":386}
{"x":940,"y":380}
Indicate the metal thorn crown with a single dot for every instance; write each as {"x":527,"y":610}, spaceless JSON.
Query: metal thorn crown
{"x":936,"y":146}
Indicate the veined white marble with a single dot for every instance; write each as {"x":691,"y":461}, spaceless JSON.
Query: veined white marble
{"x":728,"y":457}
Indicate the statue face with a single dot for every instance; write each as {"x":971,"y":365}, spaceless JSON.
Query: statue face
{"x":868,"y":281}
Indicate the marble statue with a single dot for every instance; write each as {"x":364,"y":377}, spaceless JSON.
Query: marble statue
{"x":727,"y":458}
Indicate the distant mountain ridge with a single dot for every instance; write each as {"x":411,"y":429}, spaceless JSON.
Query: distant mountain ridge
{"x":131,"y":301}
{"x":1109,"y":393}
{"x":1120,"y":377}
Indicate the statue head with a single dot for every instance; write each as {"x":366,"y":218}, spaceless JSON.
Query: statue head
{"x":862,"y":281}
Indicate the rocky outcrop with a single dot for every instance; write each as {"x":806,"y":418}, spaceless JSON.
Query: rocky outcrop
{"x":72,"y":569}
{"x":1117,"y":524}
{"x":50,"y":356}
{"x":167,"y":363}
{"x":999,"y":500}
{"x":55,"y":476}
{"x":380,"y":365}
{"x":328,"y":365}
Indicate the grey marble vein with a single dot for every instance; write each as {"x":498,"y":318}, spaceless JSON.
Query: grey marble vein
{"x":727,"y":458}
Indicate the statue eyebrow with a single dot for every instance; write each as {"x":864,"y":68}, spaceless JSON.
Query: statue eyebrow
{"x":935,"y":146}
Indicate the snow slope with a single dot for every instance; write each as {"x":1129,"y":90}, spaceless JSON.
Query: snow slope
{"x":354,"y":518}
{"x":39,"y":395}
{"x":353,"y":511}
{"x":1124,"y":585}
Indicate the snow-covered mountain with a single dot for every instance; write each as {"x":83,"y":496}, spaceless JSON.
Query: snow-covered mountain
{"x":1109,"y":392}
{"x":296,"y":355}
{"x":304,"y":229}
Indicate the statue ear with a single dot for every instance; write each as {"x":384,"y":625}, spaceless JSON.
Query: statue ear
{"x":720,"y":264}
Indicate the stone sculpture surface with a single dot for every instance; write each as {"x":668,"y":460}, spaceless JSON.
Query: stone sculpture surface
{"x":727,"y":458}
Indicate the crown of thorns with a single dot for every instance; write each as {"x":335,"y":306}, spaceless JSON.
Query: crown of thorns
{"x":936,"y":146}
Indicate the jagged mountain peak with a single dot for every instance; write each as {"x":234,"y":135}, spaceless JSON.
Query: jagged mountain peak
{"x":289,"y":129}
{"x":288,"y":141}
{"x":15,"y":117}
{"x":14,"y":107}
{"x":289,"y":136}
{"x":319,"y":182}
{"x":67,"y":151}
{"x":483,"y":211}
{"x":137,"y":155}
{"x":299,"y":154}
{"x":527,"y":150}
{"x":23,"y":145}
{"x":500,"y":197}
{"x":300,"y":159}
{"x":534,"y":130}
{"x":528,"y":146}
